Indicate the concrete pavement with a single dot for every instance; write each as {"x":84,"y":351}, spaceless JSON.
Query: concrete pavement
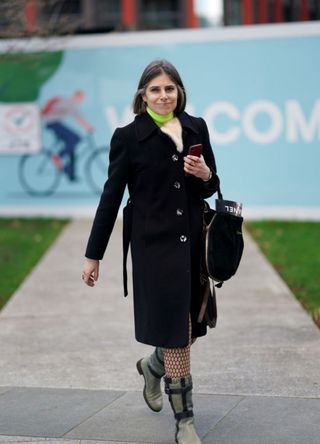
{"x":67,"y":361}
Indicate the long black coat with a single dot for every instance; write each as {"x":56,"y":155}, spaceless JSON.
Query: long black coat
{"x":166,"y":225}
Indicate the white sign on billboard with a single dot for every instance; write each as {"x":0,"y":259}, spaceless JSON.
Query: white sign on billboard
{"x":19,"y":128}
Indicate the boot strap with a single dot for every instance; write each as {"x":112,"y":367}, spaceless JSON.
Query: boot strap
{"x":169,"y":380}
{"x":155,"y":374}
{"x":177,"y":391}
{"x":161,"y":362}
{"x":182,"y":415}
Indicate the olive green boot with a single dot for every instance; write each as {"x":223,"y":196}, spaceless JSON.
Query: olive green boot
{"x":180,"y":397}
{"x":152,"y":369}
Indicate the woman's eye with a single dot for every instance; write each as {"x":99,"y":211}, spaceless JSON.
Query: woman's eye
{"x":170,"y":88}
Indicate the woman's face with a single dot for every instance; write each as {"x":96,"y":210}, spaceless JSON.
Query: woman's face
{"x":161,"y":94}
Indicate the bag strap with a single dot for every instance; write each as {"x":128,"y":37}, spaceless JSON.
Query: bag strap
{"x":212,"y":322}
{"x":202,"y":313}
{"x":204,"y":301}
{"x":126,"y":237}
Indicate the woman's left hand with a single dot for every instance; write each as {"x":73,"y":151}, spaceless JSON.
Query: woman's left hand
{"x":197,"y":167}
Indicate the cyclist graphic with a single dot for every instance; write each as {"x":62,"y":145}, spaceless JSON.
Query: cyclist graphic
{"x":54,"y":112}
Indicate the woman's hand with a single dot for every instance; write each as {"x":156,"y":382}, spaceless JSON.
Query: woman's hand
{"x":90,"y":272}
{"x":197,"y":167}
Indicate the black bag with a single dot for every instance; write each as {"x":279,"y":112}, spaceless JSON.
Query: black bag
{"x":223,"y":240}
{"x":222,"y":251}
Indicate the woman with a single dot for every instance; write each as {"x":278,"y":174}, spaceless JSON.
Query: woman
{"x":164,"y":221}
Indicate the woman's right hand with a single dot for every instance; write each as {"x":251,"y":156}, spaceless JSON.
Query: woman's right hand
{"x":90,"y":272}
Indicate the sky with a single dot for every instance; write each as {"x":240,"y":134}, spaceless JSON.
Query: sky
{"x":211,"y":8}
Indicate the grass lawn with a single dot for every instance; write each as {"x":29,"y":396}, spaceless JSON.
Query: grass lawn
{"x":22,"y":243}
{"x":294,"y":250}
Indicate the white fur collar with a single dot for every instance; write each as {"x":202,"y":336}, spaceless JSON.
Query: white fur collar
{"x":173,"y":129}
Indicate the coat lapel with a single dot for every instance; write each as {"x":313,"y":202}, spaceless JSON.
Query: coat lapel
{"x":145,"y":126}
{"x":187,"y":123}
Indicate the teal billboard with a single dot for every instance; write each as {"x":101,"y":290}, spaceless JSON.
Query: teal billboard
{"x":256,"y":87}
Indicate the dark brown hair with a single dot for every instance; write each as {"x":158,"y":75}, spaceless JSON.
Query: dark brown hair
{"x":154,"y":69}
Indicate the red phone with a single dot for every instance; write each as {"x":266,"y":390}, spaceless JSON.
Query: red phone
{"x":195,"y":150}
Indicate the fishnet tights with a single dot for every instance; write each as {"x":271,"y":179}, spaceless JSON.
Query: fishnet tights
{"x":177,"y":360}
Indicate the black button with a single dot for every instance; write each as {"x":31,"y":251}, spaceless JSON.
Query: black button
{"x":177,"y":185}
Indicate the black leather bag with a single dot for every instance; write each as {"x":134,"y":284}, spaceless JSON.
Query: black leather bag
{"x":222,"y":252}
{"x":223,"y":239}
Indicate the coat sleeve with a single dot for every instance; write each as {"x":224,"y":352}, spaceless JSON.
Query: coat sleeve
{"x":111,"y":198}
{"x":211,"y":186}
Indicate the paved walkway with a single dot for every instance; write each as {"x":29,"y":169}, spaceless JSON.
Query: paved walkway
{"x":67,"y":359}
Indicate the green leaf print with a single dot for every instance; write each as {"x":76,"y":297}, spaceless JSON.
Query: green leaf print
{"x":23,"y":74}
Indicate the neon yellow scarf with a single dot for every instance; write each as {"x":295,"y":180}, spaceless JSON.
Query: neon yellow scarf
{"x":158,"y":118}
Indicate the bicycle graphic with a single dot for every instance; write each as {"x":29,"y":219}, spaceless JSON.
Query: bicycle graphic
{"x":40,"y":174}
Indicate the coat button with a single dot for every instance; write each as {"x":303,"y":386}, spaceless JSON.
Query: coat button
{"x":183,"y":238}
{"x":174,"y":157}
{"x":179,"y":212}
{"x":177,"y":185}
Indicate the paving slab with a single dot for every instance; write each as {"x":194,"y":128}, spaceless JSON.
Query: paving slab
{"x":141,"y":424}
{"x":49,"y":412}
{"x":270,"y":420}
{"x":44,"y":415}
